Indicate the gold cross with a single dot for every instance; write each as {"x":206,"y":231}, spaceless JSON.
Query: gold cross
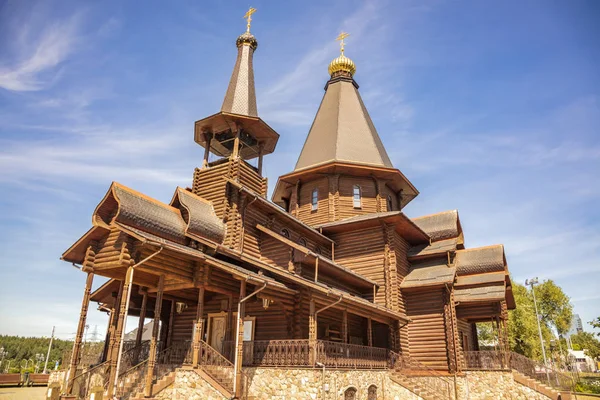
{"x":248,"y":17}
{"x":341,"y":38}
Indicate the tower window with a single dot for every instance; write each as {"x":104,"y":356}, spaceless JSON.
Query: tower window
{"x":356,"y":196}
{"x":390,"y":204}
{"x":285,"y":233}
{"x":315,"y":199}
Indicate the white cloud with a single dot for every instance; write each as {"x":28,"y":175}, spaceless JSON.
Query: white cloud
{"x":41,"y":56}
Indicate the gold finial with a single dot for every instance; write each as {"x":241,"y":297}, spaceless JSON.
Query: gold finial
{"x":248,"y":17}
{"x":341,"y":38}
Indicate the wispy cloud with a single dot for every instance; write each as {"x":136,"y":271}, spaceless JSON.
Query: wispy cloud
{"x":41,"y":53}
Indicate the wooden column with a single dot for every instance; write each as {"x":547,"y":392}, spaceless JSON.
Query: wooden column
{"x":345,"y":326}
{"x":170,"y":331}
{"x":85,"y":303}
{"x":154,"y":339}
{"x":228,"y":327}
{"x":207,"y":139}
{"x":370,"y":332}
{"x":140,"y":331}
{"x":114,"y":317}
{"x":235,"y":153}
{"x":123,"y":308}
{"x":260,"y":157}
{"x":316,"y":269}
{"x":239,"y":350}
{"x":312,"y":332}
{"x":198,"y":326}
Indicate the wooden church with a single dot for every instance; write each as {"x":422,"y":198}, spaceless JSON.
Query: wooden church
{"x":329,"y":272}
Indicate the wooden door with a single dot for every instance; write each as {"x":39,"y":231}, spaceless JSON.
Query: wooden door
{"x":218,"y":325}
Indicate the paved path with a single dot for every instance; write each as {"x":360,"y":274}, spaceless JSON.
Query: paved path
{"x":23,"y":393}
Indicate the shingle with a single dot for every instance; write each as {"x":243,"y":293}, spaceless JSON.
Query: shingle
{"x":480,"y":260}
{"x":440,"y":226}
{"x":441,"y":246}
{"x":429,"y":273}
{"x":200,"y":217}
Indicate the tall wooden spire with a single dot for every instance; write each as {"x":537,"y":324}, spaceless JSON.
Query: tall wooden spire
{"x":237,"y":130}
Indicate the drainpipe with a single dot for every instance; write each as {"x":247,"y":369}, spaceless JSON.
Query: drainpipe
{"x":329,"y":306}
{"x":237,"y":337}
{"x":127,"y":310}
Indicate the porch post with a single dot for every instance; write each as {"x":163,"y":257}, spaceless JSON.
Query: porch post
{"x":118,"y":347}
{"x":114,"y":313}
{"x":170,"y":330}
{"x":140,"y":331}
{"x":239,"y":343}
{"x":370,"y":332}
{"x":154,"y":339}
{"x":312,"y":332}
{"x":228,"y":326}
{"x":345,"y":326}
{"x":236,"y":144}
{"x":80,"y":329}
{"x":198,"y":326}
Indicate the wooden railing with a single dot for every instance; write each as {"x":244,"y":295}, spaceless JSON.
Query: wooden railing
{"x":421,"y":375}
{"x":95,"y":377}
{"x":277,"y":353}
{"x":498,"y":360}
{"x":486,"y":360}
{"x":343,"y":355}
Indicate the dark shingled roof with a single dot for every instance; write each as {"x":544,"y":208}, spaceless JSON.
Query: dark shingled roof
{"x":439,"y":247}
{"x":199,"y":215}
{"x":486,"y":293}
{"x":429,"y":273}
{"x":240,"y":97}
{"x":480,"y":260}
{"x":440,"y":226}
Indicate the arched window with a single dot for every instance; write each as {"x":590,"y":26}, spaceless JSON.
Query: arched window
{"x":302,"y":242}
{"x":390,"y":204}
{"x":372,"y":393}
{"x":317,"y":251}
{"x":356,"y":196}
{"x":350,"y":394}
{"x":285,"y":233}
{"x":314,"y":202}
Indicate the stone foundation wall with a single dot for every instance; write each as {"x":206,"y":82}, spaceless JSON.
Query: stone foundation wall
{"x":494,"y":385}
{"x":312,"y":384}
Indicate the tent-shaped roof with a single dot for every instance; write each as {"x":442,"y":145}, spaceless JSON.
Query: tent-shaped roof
{"x":342,"y":130}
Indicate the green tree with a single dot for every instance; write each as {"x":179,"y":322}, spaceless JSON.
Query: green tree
{"x":596,"y":324}
{"x":554,"y":309}
{"x":586,"y":341}
{"x":554,"y":306}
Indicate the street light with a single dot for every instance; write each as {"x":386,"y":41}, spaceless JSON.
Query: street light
{"x":531,"y":282}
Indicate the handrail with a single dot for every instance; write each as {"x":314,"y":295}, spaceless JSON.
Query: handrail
{"x":500,"y":360}
{"x":412,"y":370}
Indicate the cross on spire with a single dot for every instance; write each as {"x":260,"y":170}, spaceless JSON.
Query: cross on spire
{"x":343,"y":35}
{"x":248,"y":17}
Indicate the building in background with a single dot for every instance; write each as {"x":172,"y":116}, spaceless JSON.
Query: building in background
{"x":576,"y":325}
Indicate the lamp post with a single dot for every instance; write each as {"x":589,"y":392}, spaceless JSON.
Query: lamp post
{"x":531,"y":282}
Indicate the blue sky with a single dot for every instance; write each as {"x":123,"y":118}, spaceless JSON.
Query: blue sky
{"x":491,"y":108}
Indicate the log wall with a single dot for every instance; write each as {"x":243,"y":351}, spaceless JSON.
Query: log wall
{"x":363,"y":251}
{"x":305,"y":213}
{"x":426,"y":332}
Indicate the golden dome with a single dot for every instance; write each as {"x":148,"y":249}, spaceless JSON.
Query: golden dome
{"x":342,"y":64}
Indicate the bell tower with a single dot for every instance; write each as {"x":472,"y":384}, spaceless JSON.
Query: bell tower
{"x":343,"y":169}
{"x":236,"y":133}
